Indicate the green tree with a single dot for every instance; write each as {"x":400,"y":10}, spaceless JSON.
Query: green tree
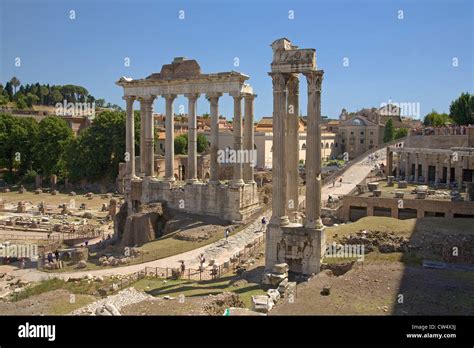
{"x":388,"y":131}
{"x":435,"y":119}
{"x":97,"y":151}
{"x":31,"y":99}
{"x":202,"y":143}
{"x":180,"y":144}
{"x":400,"y":133}
{"x":53,"y":137}
{"x":462,"y":109}
{"x":9,"y":90}
{"x":15,"y":83}
{"x":21,"y":102}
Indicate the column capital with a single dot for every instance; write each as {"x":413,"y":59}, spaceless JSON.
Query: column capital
{"x":236,"y":95}
{"x":129,"y":98}
{"x":192,"y":96}
{"x":315,"y":80}
{"x":147,"y":99}
{"x":249,"y":96}
{"x":279,"y":81}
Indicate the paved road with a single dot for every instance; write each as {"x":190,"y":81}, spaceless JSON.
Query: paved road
{"x":220,"y":250}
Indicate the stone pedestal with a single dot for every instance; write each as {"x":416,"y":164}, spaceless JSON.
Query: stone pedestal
{"x":299,"y":247}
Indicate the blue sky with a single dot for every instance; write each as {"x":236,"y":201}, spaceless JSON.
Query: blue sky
{"x":403,"y":60}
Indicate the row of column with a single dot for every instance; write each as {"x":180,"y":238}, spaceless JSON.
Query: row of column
{"x":406,"y":156}
{"x":242,"y":173}
{"x":285,"y":148}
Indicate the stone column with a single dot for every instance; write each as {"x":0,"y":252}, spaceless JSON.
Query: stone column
{"x":279,"y":216}
{"x":437,"y":170}
{"x":417,"y":163}
{"x":292,"y":142}
{"x":426,"y":169}
{"x":249,"y":138}
{"x":313,"y":151}
{"x":142,"y":137}
{"x":149,"y":155}
{"x":448,"y":171}
{"x":191,"y":172}
{"x":399,"y":163}
{"x":459,"y":169}
{"x":407,"y":166}
{"x":169,"y":152}
{"x":237,"y":177}
{"x":214,"y":101}
{"x":130,"y":137}
{"x":389,"y":161}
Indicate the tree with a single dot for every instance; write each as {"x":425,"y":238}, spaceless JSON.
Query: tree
{"x":15,"y":83}
{"x":202,"y":143}
{"x":437,"y":120}
{"x":400,"y":133}
{"x":17,"y":136}
{"x":9,"y":90}
{"x":53,"y":136}
{"x":388,"y":131}
{"x":180,"y":144}
{"x":31,"y":99}
{"x":21,"y":102}
{"x":97,"y":151}
{"x":462,"y":109}
{"x":100,"y":103}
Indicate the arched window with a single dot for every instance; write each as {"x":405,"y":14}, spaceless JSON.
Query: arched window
{"x":327,"y":145}
{"x":303,"y":147}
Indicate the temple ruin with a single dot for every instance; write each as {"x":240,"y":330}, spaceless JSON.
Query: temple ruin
{"x":235,"y":201}
{"x":292,"y":237}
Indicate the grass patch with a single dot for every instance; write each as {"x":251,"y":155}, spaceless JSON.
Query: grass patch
{"x":63,"y":306}
{"x":174,"y":288}
{"x":79,"y":287}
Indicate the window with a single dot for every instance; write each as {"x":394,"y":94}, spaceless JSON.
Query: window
{"x":352,"y":133}
{"x":371,"y":141}
{"x":361,"y":132}
{"x":303,"y":147}
{"x":342,"y":141}
{"x":361,"y":141}
{"x":371,"y":133}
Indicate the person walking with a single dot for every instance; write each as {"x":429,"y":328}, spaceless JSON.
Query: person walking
{"x":227,"y":232}
{"x":183,"y":268}
{"x":264,"y":224}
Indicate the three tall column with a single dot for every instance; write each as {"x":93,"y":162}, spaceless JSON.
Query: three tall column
{"x":237,"y":177}
{"x":214,"y":101}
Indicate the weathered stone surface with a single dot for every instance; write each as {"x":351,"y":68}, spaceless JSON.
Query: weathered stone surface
{"x":262,"y":303}
{"x":144,"y":226}
{"x":281,"y":268}
{"x":274,"y":278}
{"x":372,"y":186}
{"x":274,"y":294}
{"x":402,"y":184}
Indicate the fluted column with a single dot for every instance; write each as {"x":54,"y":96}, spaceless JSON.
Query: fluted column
{"x":417,"y":163}
{"x":249,"y":137}
{"x":448,"y":171}
{"x":169,"y":152}
{"x":191,"y":172}
{"x":437,"y":170}
{"x":313,"y":151}
{"x":426,"y":169}
{"x":279,"y":216}
{"x":146,"y":105}
{"x":399,"y":163}
{"x":407,"y":166}
{"x":237,"y":177}
{"x":214,"y":103}
{"x":389,"y":161}
{"x":292,"y":142}
{"x":130,"y":136}
{"x":142,"y":137}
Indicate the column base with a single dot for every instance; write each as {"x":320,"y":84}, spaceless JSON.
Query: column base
{"x":279,"y":220}
{"x":170,"y":179}
{"x":316,"y":224}
{"x":192,"y":181}
{"x":237,"y":183}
